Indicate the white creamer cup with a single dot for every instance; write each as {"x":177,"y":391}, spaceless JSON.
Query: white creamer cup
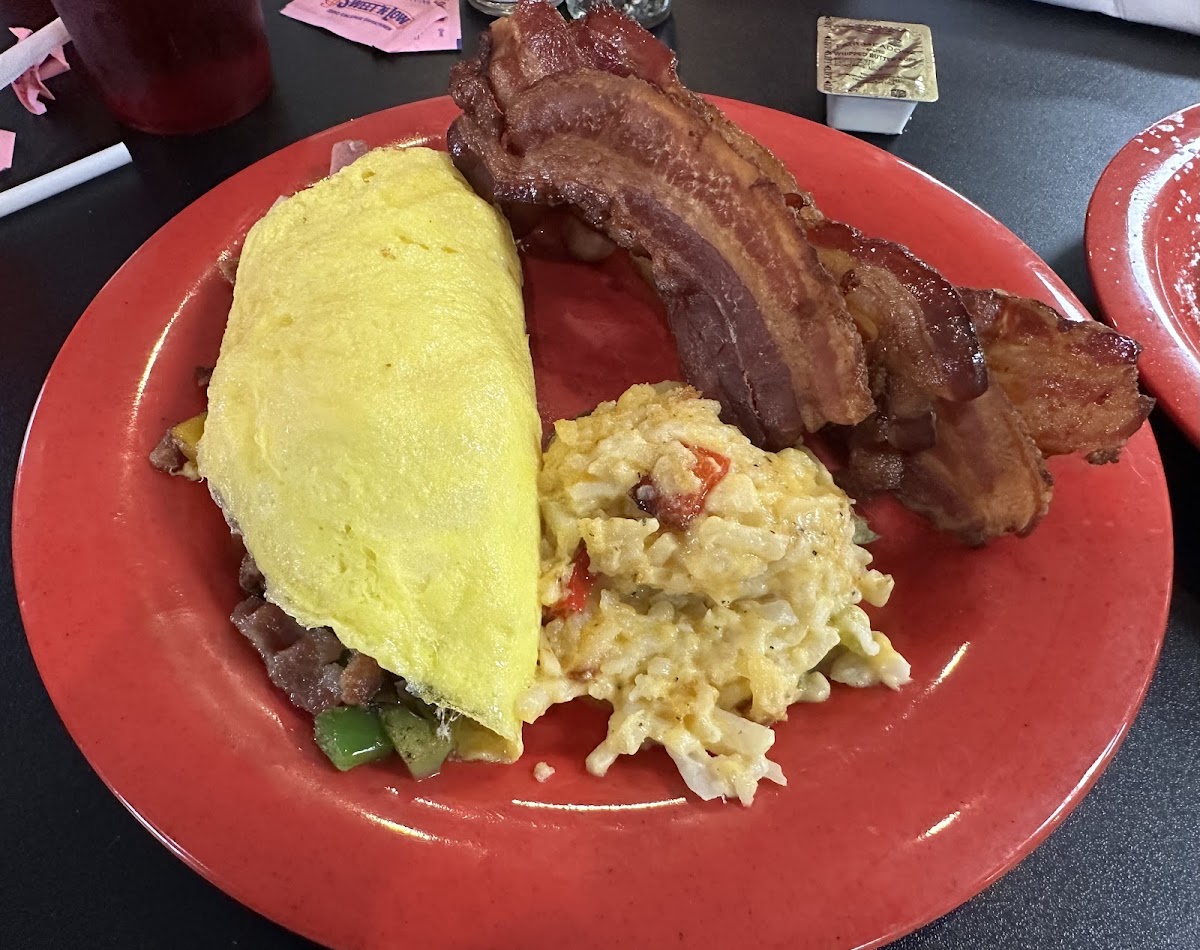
{"x":868,"y":113}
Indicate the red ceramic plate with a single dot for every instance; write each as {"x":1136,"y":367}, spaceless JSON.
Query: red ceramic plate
{"x":1143,"y":247}
{"x":1030,"y":657}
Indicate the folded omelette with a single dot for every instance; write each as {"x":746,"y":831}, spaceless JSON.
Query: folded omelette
{"x":372,"y":432}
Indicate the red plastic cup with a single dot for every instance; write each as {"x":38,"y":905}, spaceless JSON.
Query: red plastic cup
{"x":172,"y":66}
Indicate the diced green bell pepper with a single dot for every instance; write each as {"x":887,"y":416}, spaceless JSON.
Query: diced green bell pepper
{"x":416,"y":739}
{"x":350,"y":736}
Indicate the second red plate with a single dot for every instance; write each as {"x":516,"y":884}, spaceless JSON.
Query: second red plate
{"x":1143,"y":247}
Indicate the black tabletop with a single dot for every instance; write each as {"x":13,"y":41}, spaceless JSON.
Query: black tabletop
{"x":1034,"y":101}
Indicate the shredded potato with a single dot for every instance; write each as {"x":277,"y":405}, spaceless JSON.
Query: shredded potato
{"x":700,"y":636}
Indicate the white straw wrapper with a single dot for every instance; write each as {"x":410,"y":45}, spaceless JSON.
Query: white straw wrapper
{"x":31,"y":51}
{"x":51,"y":183}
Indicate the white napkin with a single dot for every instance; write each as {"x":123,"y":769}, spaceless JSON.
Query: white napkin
{"x":1175,"y":14}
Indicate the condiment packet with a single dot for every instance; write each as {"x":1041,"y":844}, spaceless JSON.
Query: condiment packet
{"x":29,"y":87}
{"x":874,"y":72}
{"x":400,"y":26}
{"x":7,"y":142}
{"x":31,"y":83}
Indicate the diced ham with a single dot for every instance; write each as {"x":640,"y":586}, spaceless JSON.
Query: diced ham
{"x":345,"y":153}
{"x":167,"y":456}
{"x":250,"y":578}
{"x":361,"y":679}
{"x":302,"y":662}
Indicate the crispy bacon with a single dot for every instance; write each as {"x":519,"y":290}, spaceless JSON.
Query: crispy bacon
{"x":590,"y":115}
{"x":979,"y":493}
{"x":948,"y":397}
{"x":925,"y":328}
{"x":907,"y":372}
{"x":983,"y":477}
{"x":1057,"y":386}
{"x":1074,"y":382}
{"x":947,"y":445}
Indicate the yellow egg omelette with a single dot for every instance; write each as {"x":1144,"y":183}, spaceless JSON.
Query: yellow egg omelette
{"x":373,"y":435}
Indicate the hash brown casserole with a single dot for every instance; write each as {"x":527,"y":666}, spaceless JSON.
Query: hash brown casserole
{"x":698,"y":584}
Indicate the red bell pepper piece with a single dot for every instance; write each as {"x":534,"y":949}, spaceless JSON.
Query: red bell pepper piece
{"x":678,"y":511}
{"x":579,"y":585}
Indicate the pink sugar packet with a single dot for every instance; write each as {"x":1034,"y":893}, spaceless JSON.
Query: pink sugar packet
{"x":7,"y":141}
{"x":399,"y":26}
{"x":31,"y":83}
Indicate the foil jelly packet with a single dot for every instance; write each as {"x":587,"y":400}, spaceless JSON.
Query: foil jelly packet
{"x":875,"y":58}
{"x":874,"y":72}
{"x":401,"y":26}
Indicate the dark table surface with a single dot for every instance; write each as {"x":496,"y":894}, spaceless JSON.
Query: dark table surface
{"x":1035,"y":100}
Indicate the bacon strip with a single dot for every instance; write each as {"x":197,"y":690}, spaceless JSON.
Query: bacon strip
{"x":1074,"y":382}
{"x":936,"y":340}
{"x":948,"y":397}
{"x":574,"y":114}
{"x":973,"y":466}
{"x":984,"y":476}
